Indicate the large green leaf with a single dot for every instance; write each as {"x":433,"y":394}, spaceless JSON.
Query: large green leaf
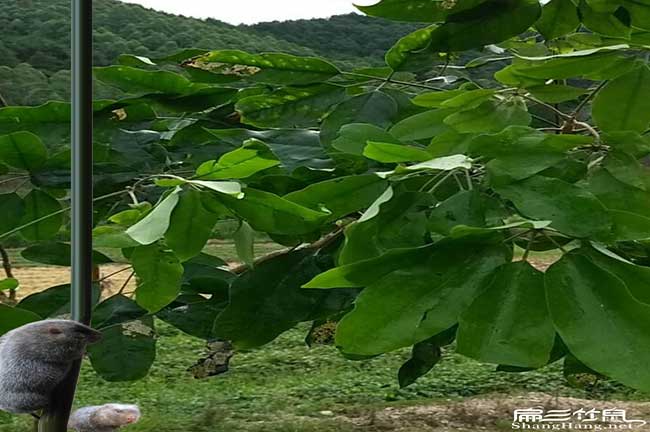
{"x":159,"y":276}
{"x":22,"y":150}
{"x":267,"y":212}
{"x":254,"y":156}
{"x":294,"y":147}
{"x":54,"y":301}
{"x":274,"y":68}
{"x":399,"y":222}
{"x":11,"y":318}
{"x":421,"y":126}
{"x":624,"y":103}
{"x":195,"y":316}
{"x":267,"y":301}
{"x":126,"y":351}
{"x":57,"y":254}
{"x":376,"y":107}
{"x":354,"y":137}
{"x":395,"y":153}
{"x":464,"y":208}
{"x":42,"y":207}
{"x":602,"y":324}
{"x":13,"y":210}
{"x":341,"y":196}
{"x":133,"y":80}
{"x":611,"y":21}
{"x":572,"y":209}
{"x":116,"y":309}
{"x":154,"y":226}
{"x":508,"y":323}
{"x":436,"y":284}
{"x":559,"y":17}
{"x":290,"y":106}
{"x":190,"y":226}
{"x":490,"y":116}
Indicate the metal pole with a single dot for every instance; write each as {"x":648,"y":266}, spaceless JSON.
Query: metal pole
{"x":56,"y":417}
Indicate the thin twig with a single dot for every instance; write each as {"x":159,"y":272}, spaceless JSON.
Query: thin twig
{"x":549,"y":106}
{"x":126,"y":282}
{"x":406,"y":83}
{"x":587,"y":99}
{"x":115,"y":273}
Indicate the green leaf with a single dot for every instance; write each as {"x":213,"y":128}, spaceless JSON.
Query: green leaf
{"x":111,"y":236}
{"x":416,"y":10}
{"x":614,"y":23}
{"x":434,"y":289}
{"x":408,"y":53}
{"x":435,"y":99}
{"x":490,"y":116}
{"x":354,"y":137}
{"x":508,"y":323}
{"x":290,"y":106}
{"x":424,"y":356}
{"x":194,"y":316}
{"x":57,"y":254}
{"x":267,"y":301}
{"x":9,"y":284}
{"x":154,"y":226}
{"x":340,"y":197}
{"x":126,"y":351}
{"x":626,"y":169}
{"x":116,"y":309}
{"x":395,"y":220}
{"x":12,"y":318}
{"x":464,"y":208}
{"x":559,"y":17}
{"x":22,"y":150}
{"x":190,"y":226}
{"x":556,"y":93}
{"x":254,"y":156}
{"x":54,"y":301}
{"x":273,"y":68}
{"x":134,"y":80}
{"x":245,"y":244}
{"x":159,"y":276}
{"x":573,"y":210}
{"x":267,"y":212}
{"x":13,"y":211}
{"x":42,"y":207}
{"x":602,"y":324}
{"x":624,"y":103}
{"x":421,"y":126}
{"x":376,"y":107}
{"x":639,"y":11}
{"x":294,"y":147}
{"x":394,"y":153}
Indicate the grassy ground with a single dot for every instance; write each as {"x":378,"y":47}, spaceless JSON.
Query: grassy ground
{"x":287,"y":387}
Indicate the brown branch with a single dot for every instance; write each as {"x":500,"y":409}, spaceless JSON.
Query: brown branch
{"x":6,"y":264}
{"x":319,"y":244}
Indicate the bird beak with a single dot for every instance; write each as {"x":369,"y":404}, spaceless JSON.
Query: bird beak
{"x":91,"y":335}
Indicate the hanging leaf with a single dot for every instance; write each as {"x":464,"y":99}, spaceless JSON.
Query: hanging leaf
{"x":159,"y":276}
{"x":416,"y":10}
{"x":572,"y":209}
{"x":340,"y":197}
{"x":190,"y":226}
{"x":13,"y":211}
{"x":624,"y":103}
{"x":117,"y":309}
{"x":245,"y":244}
{"x":602,"y":324}
{"x":57,"y":254}
{"x":22,"y":150}
{"x":394,"y":153}
{"x":424,"y":357}
{"x":13,"y":318}
{"x":559,"y":17}
{"x":508,"y":323}
{"x":125,"y":352}
{"x":44,"y":215}
{"x":154,"y":226}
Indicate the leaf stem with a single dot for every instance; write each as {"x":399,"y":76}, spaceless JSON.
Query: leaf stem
{"x":390,"y":80}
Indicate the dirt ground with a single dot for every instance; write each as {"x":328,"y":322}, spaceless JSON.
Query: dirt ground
{"x":496,"y":413}
{"x":36,"y":279}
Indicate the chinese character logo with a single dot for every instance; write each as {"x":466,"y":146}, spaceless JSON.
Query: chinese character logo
{"x":538,"y":418}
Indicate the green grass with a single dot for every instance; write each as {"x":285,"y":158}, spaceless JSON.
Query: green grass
{"x":285,"y":386}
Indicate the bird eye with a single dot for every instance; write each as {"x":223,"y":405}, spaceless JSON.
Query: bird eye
{"x":55,"y":331}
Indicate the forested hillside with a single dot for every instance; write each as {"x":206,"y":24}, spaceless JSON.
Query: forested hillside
{"x":34,"y":48}
{"x":349,"y":36}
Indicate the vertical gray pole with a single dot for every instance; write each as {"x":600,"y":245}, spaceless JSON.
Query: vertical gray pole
{"x":56,"y":417}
